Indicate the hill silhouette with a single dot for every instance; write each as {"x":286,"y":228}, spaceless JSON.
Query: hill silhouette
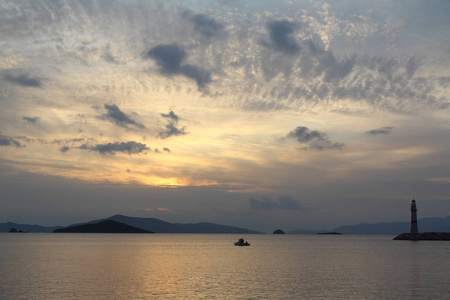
{"x":158,"y":226}
{"x":107,"y":226}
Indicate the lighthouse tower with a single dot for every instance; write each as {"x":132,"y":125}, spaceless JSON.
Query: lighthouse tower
{"x":414,"y":228}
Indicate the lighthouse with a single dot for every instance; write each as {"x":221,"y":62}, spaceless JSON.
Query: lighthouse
{"x":414,"y":228}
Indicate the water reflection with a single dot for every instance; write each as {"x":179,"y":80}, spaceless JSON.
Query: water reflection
{"x":77,"y":266}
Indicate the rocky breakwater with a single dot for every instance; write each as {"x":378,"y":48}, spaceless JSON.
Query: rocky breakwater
{"x":424,"y":236}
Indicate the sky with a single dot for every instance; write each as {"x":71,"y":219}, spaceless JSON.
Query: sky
{"x":258,"y":114}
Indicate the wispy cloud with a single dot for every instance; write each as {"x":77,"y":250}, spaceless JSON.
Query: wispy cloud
{"x":24,"y":80}
{"x":112,"y":148}
{"x":8,"y":141}
{"x":30,"y":120}
{"x":117,"y":116}
{"x":383,"y":130}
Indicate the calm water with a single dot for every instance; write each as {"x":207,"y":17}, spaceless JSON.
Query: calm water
{"x":169,"y":266}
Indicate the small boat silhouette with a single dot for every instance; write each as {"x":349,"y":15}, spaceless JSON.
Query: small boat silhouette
{"x":241,"y":242}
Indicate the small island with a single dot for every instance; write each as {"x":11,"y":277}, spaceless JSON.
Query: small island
{"x":278,"y":231}
{"x":107,"y":226}
{"x":14,"y":230}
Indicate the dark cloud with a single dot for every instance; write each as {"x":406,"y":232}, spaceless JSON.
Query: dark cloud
{"x":201,"y":76}
{"x":171,"y":130}
{"x":64,"y":149}
{"x":111,"y":148}
{"x":315,"y":139}
{"x":119,"y":117}
{"x":312,"y":61}
{"x":24,"y":80}
{"x":172,"y":116}
{"x":30,"y":120}
{"x":265,"y":203}
{"x":316,"y":61}
{"x":8,"y":141}
{"x":384,"y":130}
{"x":170,"y":57}
{"x":166,"y":149}
{"x":335,"y":69}
{"x":206,"y":26}
{"x":304,"y":135}
{"x":281,"y":39}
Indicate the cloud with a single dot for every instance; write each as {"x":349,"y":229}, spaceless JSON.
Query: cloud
{"x":383,"y":130}
{"x":30,"y":120}
{"x":119,"y":117}
{"x":8,"y":141}
{"x":315,"y":139}
{"x":111,"y":148}
{"x":64,"y":149}
{"x":156,"y":209}
{"x":201,"y":76}
{"x":171,"y":115}
{"x":169,"y":58}
{"x":265,"y":203}
{"x":166,"y":149}
{"x":171,"y":130}
{"x":335,"y":69}
{"x":206,"y":26}
{"x":24,"y":80}
{"x":281,"y":39}
{"x":316,"y":61}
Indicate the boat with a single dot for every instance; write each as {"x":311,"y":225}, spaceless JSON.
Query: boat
{"x":241,"y":242}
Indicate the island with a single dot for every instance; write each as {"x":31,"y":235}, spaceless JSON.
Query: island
{"x":278,"y":231}
{"x":14,"y":230}
{"x":107,"y":226}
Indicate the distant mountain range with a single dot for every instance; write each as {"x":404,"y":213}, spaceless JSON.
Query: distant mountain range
{"x":425,"y":225}
{"x":159,"y":226}
{"x":6,"y":227}
{"x":149,"y":224}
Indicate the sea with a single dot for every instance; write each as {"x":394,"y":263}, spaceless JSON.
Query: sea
{"x":209,"y":266}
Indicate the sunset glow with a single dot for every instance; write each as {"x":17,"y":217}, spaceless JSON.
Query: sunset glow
{"x":200,"y":106}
